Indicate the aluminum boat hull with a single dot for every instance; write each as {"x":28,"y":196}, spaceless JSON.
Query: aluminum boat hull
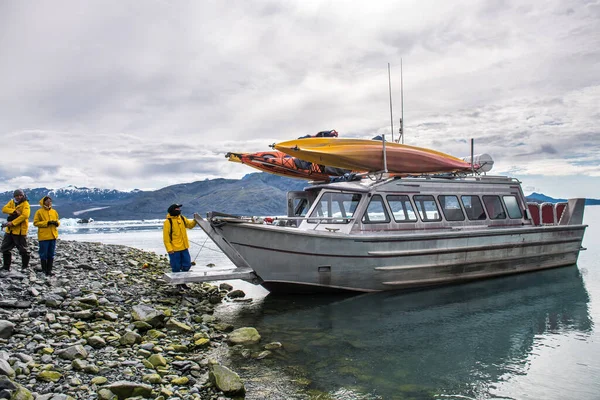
{"x":292,"y":260}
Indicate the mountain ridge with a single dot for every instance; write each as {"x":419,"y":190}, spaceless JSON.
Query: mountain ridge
{"x":254,"y":194}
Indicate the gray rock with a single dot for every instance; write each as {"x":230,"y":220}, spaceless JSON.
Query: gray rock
{"x":73,"y":352}
{"x":273,"y":346}
{"x":235,"y":294}
{"x":149,"y":315}
{"x":6,"y":369}
{"x":125,"y":389}
{"x":130,"y":338}
{"x":7,"y":384}
{"x":226,"y":380}
{"x":52,"y":300}
{"x":13,"y":303}
{"x":6,"y":329}
{"x":91,"y":300}
{"x":173,"y":324}
{"x":26,"y":358}
{"x":96,"y":342}
{"x":83,"y":315}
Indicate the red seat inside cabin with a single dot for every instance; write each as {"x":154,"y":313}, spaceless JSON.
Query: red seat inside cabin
{"x":548,"y":214}
{"x":534,"y":210}
{"x":560,"y":208}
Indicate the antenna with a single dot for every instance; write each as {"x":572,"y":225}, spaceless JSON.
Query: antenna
{"x":401,"y":130}
{"x":391,"y":117}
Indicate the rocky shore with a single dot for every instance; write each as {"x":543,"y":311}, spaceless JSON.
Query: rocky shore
{"x":107,"y":327}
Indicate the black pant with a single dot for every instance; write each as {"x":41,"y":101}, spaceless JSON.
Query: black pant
{"x":11,"y":241}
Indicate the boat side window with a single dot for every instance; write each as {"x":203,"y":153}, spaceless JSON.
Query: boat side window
{"x":402,"y":209}
{"x":427,"y":208}
{"x":376,"y":212}
{"x":451,"y":208}
{"x":493,"y":205}
{"x":512,"y":207}
{"x":335,"y":208}
{"x":473,"y":207}
{"x":301,"y":207}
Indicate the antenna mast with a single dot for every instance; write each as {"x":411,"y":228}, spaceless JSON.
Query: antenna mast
{"x":401,"y":129}
{"x":391,"y":117}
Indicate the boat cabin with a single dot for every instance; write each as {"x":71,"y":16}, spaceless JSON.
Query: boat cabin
{"x":411,"y":204}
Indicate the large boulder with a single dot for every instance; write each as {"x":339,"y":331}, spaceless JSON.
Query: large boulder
{"x":244,"y":336}
{"x":226,"y":380}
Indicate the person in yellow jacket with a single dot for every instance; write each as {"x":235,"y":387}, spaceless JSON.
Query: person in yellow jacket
{"x":46,"y":220}
{"x":16,"y":227}
{"x":176,"y":240}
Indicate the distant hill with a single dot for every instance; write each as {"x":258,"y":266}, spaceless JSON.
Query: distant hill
{"x":542,"y":198}
{"x":254,"y":194}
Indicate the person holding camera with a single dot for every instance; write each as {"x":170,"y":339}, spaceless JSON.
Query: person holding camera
{"x":46,"y":220}
{"x":16,"y":227}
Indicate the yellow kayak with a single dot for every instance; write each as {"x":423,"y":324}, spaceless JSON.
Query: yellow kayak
{"x":367,"y":155}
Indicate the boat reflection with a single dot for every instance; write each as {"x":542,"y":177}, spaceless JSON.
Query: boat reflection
{"x":452,"y":341}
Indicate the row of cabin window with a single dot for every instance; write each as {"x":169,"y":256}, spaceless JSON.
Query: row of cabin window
{"x":454,"y":210}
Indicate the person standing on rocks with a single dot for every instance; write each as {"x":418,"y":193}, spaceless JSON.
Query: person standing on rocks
{"x":46,"y":219}
{"x":176,"y":240}
{"x":16,"y":227}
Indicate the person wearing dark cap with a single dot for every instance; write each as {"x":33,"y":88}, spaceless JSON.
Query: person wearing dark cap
{"x":176,"y":240}
{"x":46,"y":220}
{"x":16,"y":227}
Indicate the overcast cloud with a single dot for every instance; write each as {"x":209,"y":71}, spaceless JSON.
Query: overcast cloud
{"x":144,"y":94}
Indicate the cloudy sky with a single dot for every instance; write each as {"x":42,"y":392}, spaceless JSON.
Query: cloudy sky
{"x":144,"y":94}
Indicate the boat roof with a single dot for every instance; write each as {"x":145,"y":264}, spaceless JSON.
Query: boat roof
{"x":365,"y":185}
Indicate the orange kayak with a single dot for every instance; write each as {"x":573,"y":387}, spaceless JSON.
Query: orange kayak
{"x":278,"y":163}
{"x":367,"y":155}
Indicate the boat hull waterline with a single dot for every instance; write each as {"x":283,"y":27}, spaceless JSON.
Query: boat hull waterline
{"x":367,"y":155}
{"x":289,"y":260}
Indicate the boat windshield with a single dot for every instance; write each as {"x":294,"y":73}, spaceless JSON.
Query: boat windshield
{"x":335,"y":207}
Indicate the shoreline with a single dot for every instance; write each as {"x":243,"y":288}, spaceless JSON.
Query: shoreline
{"x":106,"y":324}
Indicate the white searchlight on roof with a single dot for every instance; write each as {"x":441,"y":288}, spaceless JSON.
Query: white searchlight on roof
{"x":484,"y":161}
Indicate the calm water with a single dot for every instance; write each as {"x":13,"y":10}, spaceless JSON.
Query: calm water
{"x":529,"y":336}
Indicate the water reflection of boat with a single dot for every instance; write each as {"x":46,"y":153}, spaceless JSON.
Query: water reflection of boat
{"x":457,"y":340}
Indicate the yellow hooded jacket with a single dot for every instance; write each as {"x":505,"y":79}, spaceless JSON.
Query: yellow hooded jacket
{"x":21,"y":223}
{"x":179,"y":239}
{"x":41,"y":218}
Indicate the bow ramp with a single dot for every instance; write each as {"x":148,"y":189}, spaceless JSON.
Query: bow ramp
{"x":207,"y":274}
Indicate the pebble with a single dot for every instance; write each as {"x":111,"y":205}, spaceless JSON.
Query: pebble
{"x":106,"y":323}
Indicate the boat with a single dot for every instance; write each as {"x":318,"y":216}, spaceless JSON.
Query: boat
{"x":368,"y":155}
{"x":394,"y":233}
{"x":278,"y":163}
{"x":85,"y":220}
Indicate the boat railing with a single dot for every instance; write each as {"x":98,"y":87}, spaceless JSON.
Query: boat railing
{"x":275,"y":220}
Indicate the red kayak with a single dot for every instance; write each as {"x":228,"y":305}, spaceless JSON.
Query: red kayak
{"x":278,"y":163}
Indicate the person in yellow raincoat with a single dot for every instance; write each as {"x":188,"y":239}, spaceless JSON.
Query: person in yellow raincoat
{"x":176,"y":240}
{"x":16,"y":227}
{"x":46,"y":220}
